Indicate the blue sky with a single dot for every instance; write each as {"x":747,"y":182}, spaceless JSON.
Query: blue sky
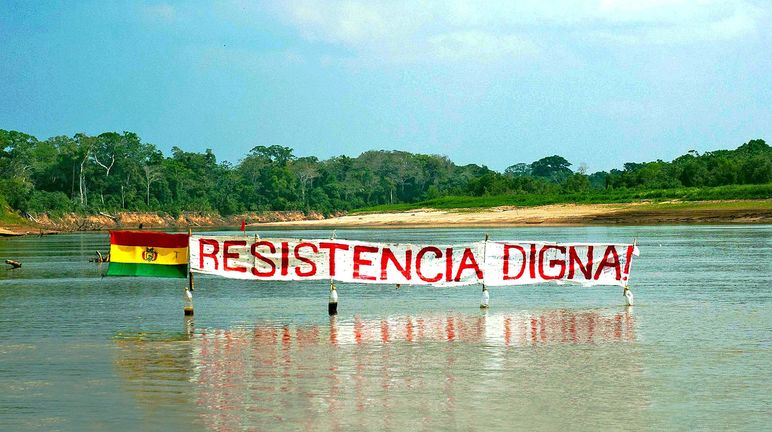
{"x":599,"y":82}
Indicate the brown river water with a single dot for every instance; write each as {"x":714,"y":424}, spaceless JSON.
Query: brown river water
{"x":83,"y":352}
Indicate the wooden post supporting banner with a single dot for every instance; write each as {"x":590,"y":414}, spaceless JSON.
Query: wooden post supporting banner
{"x":332,"y":306}
{"x":188,"y":298}
{"x":486,"y":297}
{"x":188,"y":307}
{"x":629,"y":298}
{"x":190,"y":281}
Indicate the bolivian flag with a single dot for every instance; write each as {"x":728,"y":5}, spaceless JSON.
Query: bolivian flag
{"x":147,"y":253}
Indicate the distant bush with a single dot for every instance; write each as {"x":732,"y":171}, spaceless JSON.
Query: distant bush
{"x":53,"y":203}
{"x":622,"y":195}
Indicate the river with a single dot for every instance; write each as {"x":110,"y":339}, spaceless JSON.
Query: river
{"x":83,"y":352}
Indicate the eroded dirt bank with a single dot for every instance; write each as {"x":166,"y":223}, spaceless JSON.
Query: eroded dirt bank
{"x":704,"y":212}
{"x":43,"y":223}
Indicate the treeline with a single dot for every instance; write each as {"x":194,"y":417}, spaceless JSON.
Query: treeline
{"x":112,"y":172}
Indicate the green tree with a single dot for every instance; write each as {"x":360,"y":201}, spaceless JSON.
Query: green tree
{"x":577,"y":183}
{"x":555,"y":168}
{"x":518,"y":170}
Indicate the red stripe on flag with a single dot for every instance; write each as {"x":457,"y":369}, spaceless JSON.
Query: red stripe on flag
{"x":148,"y":238}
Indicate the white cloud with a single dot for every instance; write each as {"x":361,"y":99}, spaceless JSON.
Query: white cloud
{"x":352,"y":23}
{"x":453,"y":30}
{"x":741,"y":22}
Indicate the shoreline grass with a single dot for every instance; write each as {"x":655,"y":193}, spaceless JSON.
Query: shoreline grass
{"x":618,"y":196}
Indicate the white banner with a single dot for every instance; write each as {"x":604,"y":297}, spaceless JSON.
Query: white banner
{"x":493,"y":263}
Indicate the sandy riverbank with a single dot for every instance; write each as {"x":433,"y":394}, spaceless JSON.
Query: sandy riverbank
{"x":719,"y":212}
{"x":11,"y":232}
{"x":703,"y":212}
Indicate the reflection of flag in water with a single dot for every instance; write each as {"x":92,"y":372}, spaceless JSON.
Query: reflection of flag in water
{"x":151,"y":254}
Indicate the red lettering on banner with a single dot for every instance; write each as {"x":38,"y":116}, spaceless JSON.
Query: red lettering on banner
{"x":311,"y":263}
{"x":573,"y":259}
{"x":388,"y":256}
{"x":610,"y":250}
{"x":284,"y":258}
{"x":227,"y":254}
{"x":448,"y":264}
{"x":213,"y":254}
{"x":418,"y":259}
{"x":628,"y":258}
{"x":262,"y":258}
{"x":506,"y":262}
{"x":521,"y":262}
{"x":332,"y":248}
{"x":359,"y":261}
{"x":552,"y":263}
{"x":468,"y":262}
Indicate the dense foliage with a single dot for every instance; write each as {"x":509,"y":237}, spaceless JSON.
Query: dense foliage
{"x":115,"y":171}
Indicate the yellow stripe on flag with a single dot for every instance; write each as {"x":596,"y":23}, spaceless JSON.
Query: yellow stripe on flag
{"x":148,"y":255}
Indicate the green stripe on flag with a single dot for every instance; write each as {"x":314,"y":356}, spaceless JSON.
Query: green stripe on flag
{"x":148,"y":270}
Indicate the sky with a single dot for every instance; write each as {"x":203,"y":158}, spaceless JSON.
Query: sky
{"x":599,"y":82}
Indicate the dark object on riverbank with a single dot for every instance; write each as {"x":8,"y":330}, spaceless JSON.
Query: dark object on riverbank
{"x":99,"y":258}
{"x":13,"y":264}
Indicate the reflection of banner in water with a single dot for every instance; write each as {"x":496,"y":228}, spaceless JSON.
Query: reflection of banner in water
{"x":352,"y":367}
{"x":493,"y":263}
{"x":553,"y":327}
{"x":421,"y":372}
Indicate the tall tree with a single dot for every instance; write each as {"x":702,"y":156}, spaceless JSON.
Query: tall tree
{"x":84,"y":147}
{"x":555,"y":168}
{"x":306,"y":169}
{"x":152,"y":175}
